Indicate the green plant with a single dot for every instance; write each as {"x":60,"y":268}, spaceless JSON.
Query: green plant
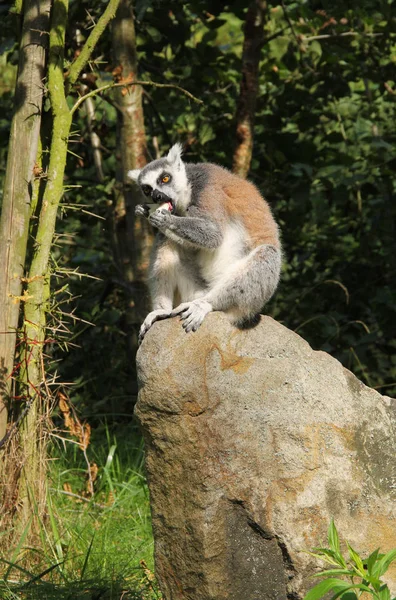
{"x":360,"y":575}
{"x":89,"y":546}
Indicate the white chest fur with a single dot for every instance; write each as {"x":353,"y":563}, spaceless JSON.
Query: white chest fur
{"x":215,"y":263}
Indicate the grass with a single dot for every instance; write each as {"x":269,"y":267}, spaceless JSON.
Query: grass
{"x":89,"y":548}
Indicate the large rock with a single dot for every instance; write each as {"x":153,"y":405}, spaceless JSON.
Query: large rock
{"x":254,"y":441}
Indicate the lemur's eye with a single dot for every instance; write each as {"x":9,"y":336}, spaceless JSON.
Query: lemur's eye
{"x":147,"y":189}
{"x":165,"y":179}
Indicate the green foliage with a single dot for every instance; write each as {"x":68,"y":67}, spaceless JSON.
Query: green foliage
{"x":359,"y":575}
{"x":325,"y":151}
{"x":91,"y":547}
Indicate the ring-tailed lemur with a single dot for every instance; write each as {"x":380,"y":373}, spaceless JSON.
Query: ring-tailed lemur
{"x":217,"y":246}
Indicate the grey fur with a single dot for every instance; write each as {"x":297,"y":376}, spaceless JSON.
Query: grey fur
{"x":199,"y":232}
{"x":188,"y":264}
{"x":250,"y":289}
{"x":198,"y":176}
{"x":190,"y":256}
{"x":155,"y":164}
{"x":245,"y":292}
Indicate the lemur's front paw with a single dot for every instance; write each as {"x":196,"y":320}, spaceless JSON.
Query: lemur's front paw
{"x":155,"y":315}
{"x":160,"y":218}
{"x":142,"y":210}
{"x":192,"y":313}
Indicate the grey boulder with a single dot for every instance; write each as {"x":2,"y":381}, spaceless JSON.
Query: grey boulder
{"x":253,"y":443}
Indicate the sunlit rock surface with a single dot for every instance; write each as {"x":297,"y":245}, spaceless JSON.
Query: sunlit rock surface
{"x":254,"y":441}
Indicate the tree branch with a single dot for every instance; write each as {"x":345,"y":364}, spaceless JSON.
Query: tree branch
{"x":90,"y":44}
{"x":336,"y":35}
{"x":286,"y":15}
{"x":127,"y":83}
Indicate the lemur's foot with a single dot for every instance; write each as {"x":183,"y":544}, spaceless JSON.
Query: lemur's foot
{"x":192,"y":313}
{"x":152,"y":317}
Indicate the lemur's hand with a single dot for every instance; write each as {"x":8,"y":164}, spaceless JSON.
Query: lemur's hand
{"x":142,"y":210}
{"x":160,"y":219}
{"x":155,"y":315}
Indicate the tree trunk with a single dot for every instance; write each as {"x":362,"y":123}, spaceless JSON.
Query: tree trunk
{"x":31,"y":491}
{"x":254,"y":39}
{"x":132,"y":236}
{"x":22,"y":153}
{"x":94,"y":138}
{"x":24,"y":495}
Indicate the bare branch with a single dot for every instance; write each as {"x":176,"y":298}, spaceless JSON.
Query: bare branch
{"x":389,"y":89}
{"x":127,"y":83}
{"x":336,"y":35}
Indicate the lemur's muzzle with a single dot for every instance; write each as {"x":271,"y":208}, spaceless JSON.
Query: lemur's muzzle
{"x":160,"y":197}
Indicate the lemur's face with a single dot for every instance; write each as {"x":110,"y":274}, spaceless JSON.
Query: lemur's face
{"x":164,"y":181}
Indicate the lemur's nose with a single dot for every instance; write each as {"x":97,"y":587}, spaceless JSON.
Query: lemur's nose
{"x":158,"y":196}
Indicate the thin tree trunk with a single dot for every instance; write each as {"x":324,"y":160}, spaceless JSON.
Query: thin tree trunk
{"x":22,"y":153}
{"x":254,"y":39}
{"x":31,"y":489}
{"x":131,"y":237}
{"x":28,"y":483}
{"x":95,"y":139}
{"x":31,"y":493}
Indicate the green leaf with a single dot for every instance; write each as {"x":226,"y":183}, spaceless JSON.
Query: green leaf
{"x":14,"y":566}
{"x":206,"y":133}
{"x":334,"y":543}
{"x":356,"y":586}
{"x":15,"y":554}
{"x":384,"y":593}
{"x":372,"y":559}
{"x":382,"y":565}
{"x":326,"y":586}
{"x":334,"y":540}
{"x":356,"y":559}
{"x":374,"y":581}
{"x":328,"y":556}
{"x":328,"y":572}
{"x":86,"y":559}
{"x":43,"y":573}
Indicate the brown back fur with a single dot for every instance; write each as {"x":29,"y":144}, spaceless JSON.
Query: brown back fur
{"x":227,"y":197}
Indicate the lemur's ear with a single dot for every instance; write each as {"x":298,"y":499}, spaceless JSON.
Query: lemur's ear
{"x":134,"y":174}
{"x":174,"y":155}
